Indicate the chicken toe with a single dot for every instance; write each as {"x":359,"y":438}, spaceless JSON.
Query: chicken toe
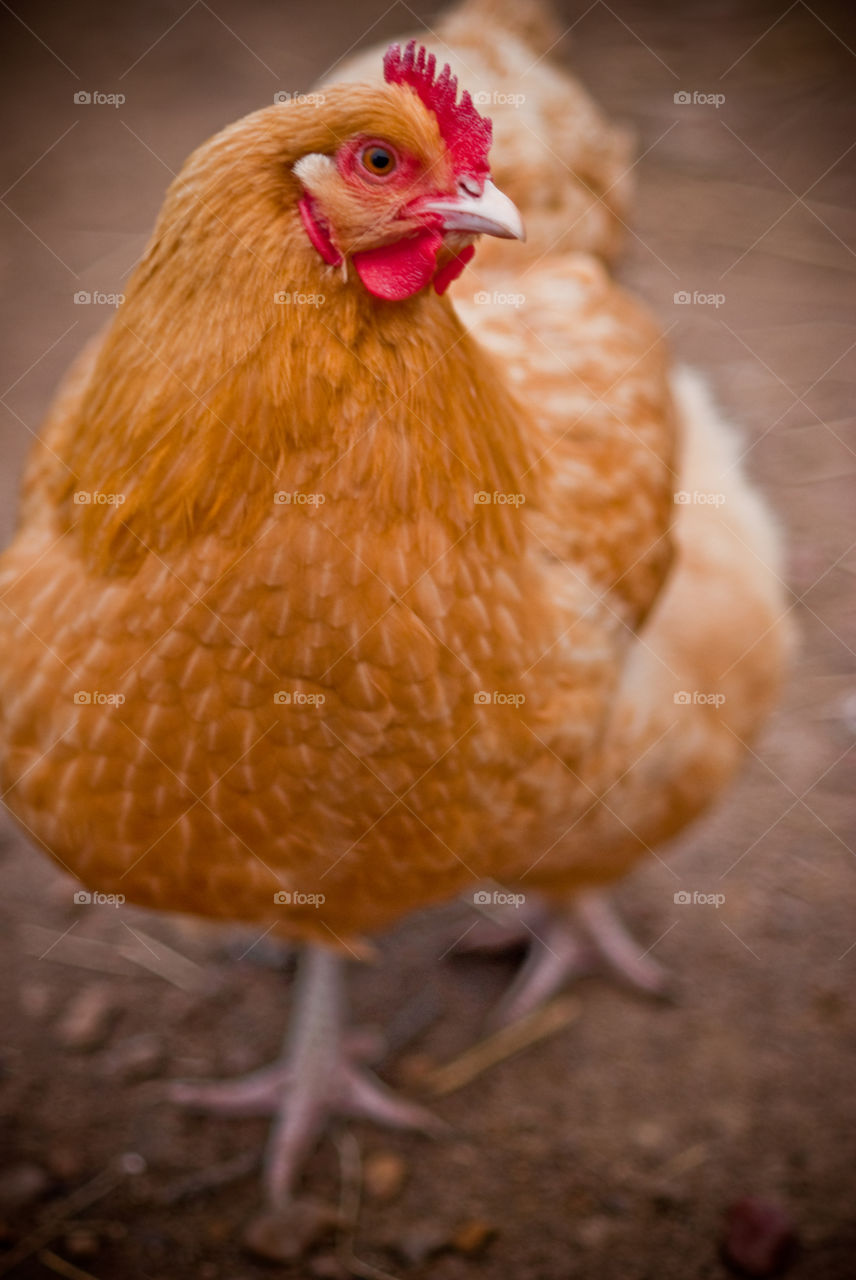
{"x":608,"y":934}
{"x":556,"y":955}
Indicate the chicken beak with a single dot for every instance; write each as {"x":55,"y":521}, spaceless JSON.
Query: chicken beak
{"x":489,"y":212}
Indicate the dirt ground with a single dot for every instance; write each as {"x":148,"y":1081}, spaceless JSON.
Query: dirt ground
{"x":611,"y":1149}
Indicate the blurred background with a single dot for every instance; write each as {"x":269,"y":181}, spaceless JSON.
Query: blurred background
{"x":613,"y":1148}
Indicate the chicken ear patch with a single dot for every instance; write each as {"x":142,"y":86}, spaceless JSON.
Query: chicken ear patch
{"x":397,"y":271}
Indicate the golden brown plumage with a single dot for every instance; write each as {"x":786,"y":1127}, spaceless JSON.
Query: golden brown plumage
{"x":398,"y":598}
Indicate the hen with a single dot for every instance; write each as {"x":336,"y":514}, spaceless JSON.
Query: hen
{"x":324,"y":606}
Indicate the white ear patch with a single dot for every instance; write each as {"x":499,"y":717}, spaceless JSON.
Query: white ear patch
{"x":314,"y":168}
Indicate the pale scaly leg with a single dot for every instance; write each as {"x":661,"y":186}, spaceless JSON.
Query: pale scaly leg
{"x":315,"y":1080}
{"x":563,"y":945}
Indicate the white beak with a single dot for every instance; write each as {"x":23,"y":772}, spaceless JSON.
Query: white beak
{"x":490,"y":214}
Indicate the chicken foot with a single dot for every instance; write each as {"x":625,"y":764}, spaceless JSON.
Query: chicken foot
{"x":562,"y":945}
{"x":315,"y":1080}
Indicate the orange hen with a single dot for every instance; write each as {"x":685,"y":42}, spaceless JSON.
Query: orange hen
{"x":331,"y":599}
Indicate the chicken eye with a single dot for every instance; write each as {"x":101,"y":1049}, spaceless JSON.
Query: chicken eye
{"x":379,"y":161}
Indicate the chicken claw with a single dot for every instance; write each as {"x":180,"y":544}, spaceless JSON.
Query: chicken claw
{"x":314,"y":1080}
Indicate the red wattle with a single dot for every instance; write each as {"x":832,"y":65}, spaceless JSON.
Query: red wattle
{"x":446,"y":275}
{"x":397,"y":271}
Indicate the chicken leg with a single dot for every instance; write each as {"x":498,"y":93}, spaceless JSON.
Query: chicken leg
{"x":563,"y":945}
{"x":314,"y":1080}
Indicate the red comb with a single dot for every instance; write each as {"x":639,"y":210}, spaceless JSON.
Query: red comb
{"x":464,"y":131}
